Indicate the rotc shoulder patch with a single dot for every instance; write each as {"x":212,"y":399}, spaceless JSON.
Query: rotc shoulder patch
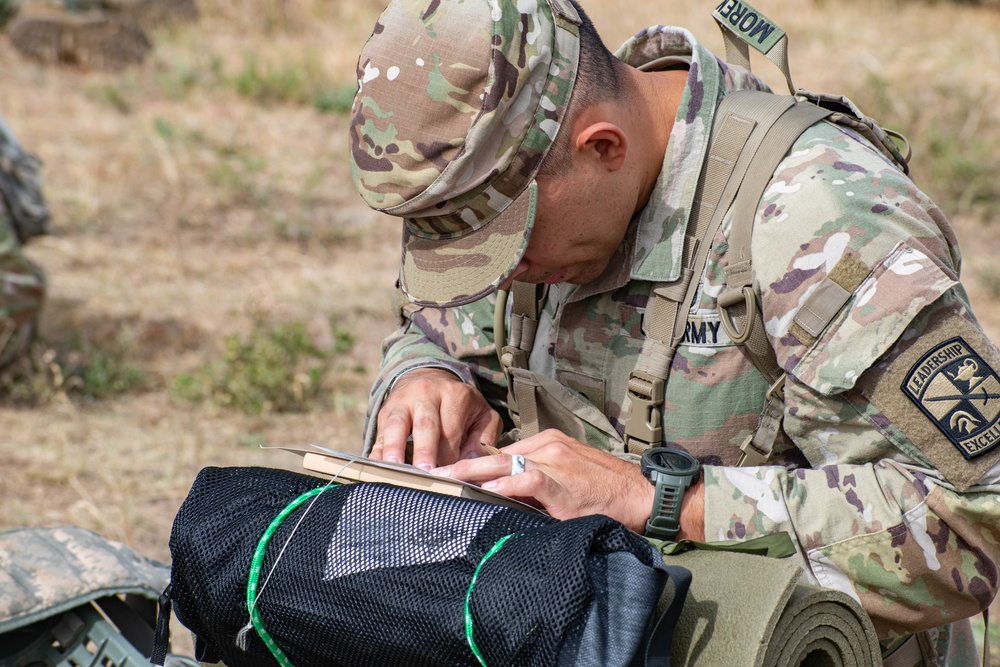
{"x":940,"y":388}
{"x":960,"y":393}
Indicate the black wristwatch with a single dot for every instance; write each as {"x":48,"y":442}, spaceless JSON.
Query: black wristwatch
{"x":671,"y":471}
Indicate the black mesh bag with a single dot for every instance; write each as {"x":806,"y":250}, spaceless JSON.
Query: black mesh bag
{"x":372,"y":574}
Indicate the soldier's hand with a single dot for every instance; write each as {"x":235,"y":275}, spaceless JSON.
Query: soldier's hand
{"x":447,"y":419}
{"x":570,"y":479}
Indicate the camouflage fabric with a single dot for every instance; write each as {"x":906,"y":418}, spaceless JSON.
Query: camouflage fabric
{"x":45,"y":571}
{"x":451,"y":94}
{"x":22,"y":292}
{"x":870,"y":513}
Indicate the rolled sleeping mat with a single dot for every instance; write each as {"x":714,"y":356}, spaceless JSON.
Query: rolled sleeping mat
{"x":745,"y":610}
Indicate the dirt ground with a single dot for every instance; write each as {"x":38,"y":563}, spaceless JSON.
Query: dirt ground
{"x":210,"y":185}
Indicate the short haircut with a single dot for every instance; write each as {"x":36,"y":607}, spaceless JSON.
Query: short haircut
{"x":597,"y":80}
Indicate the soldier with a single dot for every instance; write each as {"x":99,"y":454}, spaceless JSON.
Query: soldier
{"x":517,"y":148}
{"x":106,"y":34}
{"x":23,"y":214}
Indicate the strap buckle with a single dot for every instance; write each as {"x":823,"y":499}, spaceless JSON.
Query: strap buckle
{"x":759,"y":445}
{"x":645,"y":417}
{"x":751,"y":456}
{"x":777,"y":389}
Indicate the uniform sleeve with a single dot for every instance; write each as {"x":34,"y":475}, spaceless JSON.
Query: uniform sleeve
{"x":891,"y":394}
{"x":456,"y":339}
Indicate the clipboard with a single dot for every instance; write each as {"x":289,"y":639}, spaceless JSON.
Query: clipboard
{"x":349,"y":468}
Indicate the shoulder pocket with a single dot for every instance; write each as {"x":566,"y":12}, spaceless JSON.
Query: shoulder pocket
{"x":871,"y":318}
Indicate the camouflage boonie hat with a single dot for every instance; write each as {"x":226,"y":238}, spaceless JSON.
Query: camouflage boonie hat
{"x":458,"y":102}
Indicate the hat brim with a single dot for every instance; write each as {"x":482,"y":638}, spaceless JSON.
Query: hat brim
{"x":454,"y":272}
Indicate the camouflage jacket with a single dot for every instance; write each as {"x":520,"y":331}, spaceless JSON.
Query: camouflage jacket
{"x":22,"y":291}
{"x":869,"y":492}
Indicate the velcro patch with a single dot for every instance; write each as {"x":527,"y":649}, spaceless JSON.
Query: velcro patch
{"x":960,"y":392}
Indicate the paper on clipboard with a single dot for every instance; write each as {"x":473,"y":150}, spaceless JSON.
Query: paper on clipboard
{"x":353,"y":468}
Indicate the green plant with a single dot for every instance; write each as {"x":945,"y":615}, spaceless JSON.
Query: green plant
{"x":275,"y":368}
{"x":73,"y":367}
{"x":7,"y":10}
{"x":265,"y":84}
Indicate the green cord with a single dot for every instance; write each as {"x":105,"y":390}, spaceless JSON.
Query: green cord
{"x":258,"y":562}
{"x":468,"y":598}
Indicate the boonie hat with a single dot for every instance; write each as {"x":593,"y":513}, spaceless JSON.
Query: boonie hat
{"x":458,"y":102}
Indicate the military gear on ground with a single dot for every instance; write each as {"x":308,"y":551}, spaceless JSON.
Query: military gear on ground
{"x":23,"y":214}
{"x":70,"y":597}
{"x":274,"y":565}
{"x":21,"y":187}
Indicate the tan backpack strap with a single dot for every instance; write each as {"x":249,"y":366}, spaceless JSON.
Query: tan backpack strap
{"x":742,"y":27}
{"x":722,"y":171}
{"x":516,"y":349}
{"x":752,"y":132}
{"x":738,"y":303}
{"x":738,"y":309}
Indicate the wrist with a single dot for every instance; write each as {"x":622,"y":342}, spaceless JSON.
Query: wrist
{"x":423,"y":372}
{"x":693,"y":513}
{"x":672,"y":472}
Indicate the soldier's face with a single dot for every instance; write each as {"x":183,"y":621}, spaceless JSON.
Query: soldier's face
{"x":579,"y":225}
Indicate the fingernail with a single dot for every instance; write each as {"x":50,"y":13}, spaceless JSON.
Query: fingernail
{"x":443,"y":471}
{"x":489,"y":485}
{"x":392,"y":458}
{"x":426,"y":467}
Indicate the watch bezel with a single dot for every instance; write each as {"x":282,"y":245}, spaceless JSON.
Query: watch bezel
{"x":668,"y":461}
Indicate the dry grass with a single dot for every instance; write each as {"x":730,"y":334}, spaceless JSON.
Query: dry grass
{"x":206,"y":187}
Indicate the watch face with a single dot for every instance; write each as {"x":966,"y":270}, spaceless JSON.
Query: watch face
{"x":670,"y":460}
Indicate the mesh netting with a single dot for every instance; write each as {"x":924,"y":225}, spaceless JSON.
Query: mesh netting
{"x":374,"y":574}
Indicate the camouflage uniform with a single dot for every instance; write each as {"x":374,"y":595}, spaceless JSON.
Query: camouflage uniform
{"x":22,"y":291}
{"x":881,"y":511}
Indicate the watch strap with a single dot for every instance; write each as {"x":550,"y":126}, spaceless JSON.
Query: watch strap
{"x":665,"y":520}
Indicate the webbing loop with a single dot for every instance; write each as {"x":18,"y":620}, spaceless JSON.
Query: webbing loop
{"x":729,"y":319}
{"x":758,"y":447}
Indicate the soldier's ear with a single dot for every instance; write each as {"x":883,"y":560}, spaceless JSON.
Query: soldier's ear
{"x":603,"y":142}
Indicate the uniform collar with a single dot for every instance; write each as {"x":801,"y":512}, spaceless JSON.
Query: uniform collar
{"x":660,"y":227}
{"x":654,"y":241}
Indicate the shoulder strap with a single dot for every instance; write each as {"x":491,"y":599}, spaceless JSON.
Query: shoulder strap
{"x":751,"y":133}
{"x":515,"y":350}
{"x":744,"y":26}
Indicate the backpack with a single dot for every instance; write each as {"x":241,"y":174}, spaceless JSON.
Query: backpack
{"x":271,"y":565}
{"x":21,"y":187}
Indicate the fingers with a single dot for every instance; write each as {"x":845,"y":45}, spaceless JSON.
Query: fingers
{"x":479,"y":470}
{"x":444,"y":418}
{"x":483,"y":433}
